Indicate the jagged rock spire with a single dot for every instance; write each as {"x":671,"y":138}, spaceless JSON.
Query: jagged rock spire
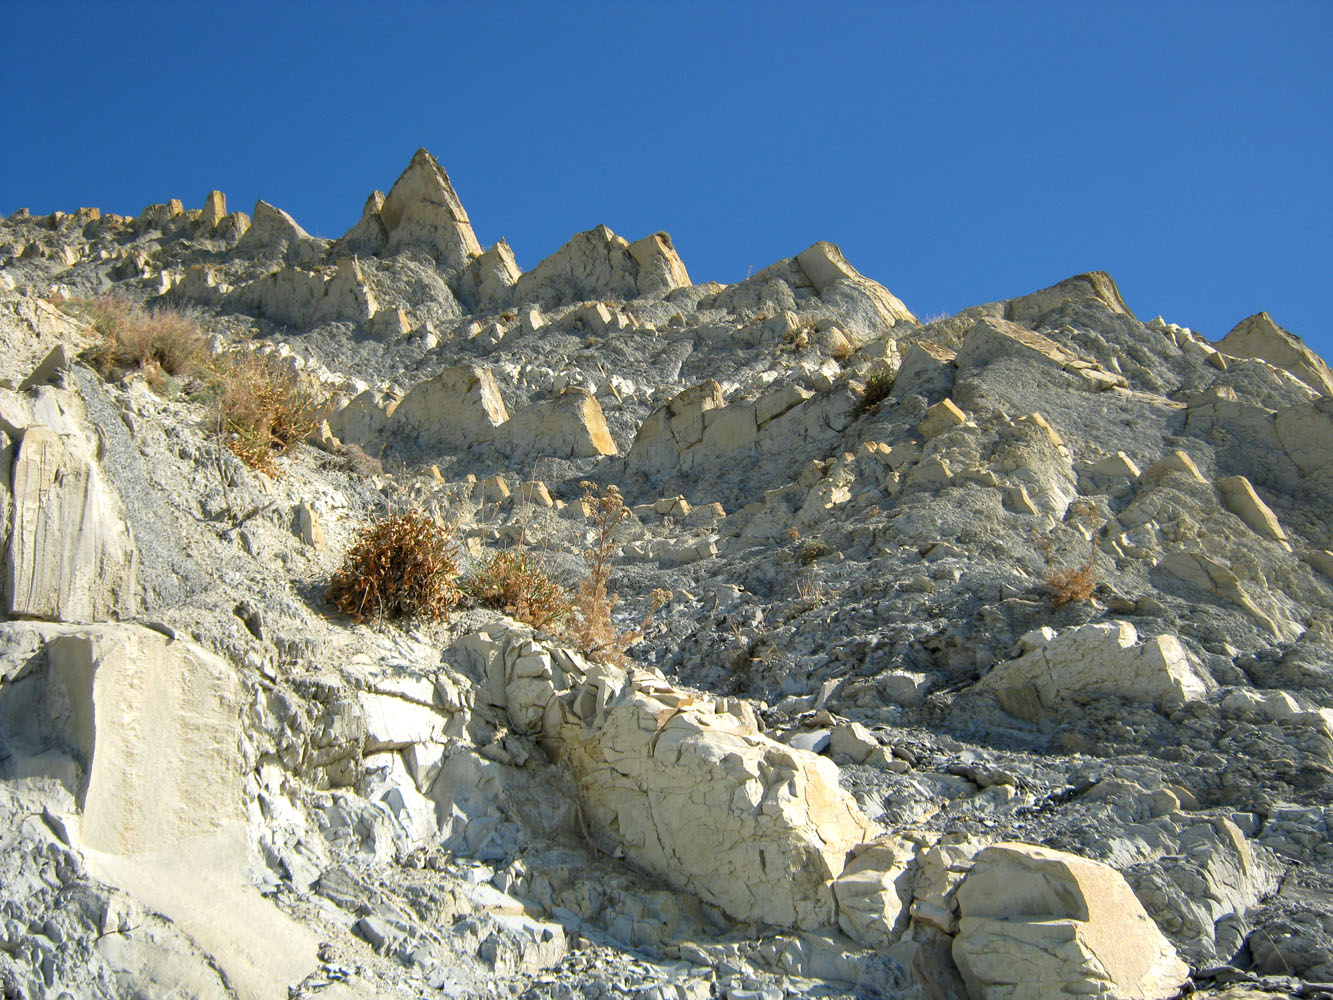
{"x":422,"y":210}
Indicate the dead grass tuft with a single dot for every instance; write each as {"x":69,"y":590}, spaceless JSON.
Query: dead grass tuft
{"x":163,"y":343}
{"x":401,"y":566}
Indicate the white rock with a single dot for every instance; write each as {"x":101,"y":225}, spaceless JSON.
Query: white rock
{"x":1101,"y":658}
{"x":1037,"y":923}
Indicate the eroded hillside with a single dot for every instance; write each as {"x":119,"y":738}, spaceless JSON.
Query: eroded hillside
{"x":997,"y":661}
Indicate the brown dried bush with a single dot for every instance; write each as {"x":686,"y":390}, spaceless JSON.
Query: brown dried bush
{"x":402,"y":566}
{"x":162,"y":343}
{"x":1075,"y":584}
{"x":516,"y":583}
{"x":263,"y":408}
{"x":1079,"y":582}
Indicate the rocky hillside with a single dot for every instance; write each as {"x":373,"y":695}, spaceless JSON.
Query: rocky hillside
{"x":997,"y":661}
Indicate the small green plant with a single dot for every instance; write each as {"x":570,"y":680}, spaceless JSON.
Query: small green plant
{"x":163,"y":343}
{"x":878,"y":386}
{"x":516,"y":583}
{"x":402,"y":566}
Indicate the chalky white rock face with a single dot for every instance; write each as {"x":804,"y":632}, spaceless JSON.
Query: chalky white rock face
{"x":70,"y":555}
{"x":692,"y":794}
{"x":826,"y":764}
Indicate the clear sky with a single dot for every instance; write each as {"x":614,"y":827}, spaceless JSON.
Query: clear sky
{"x":958,"y":152}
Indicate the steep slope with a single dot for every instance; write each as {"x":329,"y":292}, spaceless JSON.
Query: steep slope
{"x":998,"y":658}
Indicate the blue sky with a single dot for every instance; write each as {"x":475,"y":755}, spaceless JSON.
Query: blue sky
{"x":958,"y":152}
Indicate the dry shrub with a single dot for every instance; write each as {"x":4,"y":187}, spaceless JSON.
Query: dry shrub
{"x":517,"y":584}
{"x":162,"y":343}
{"x":263,"y":407}
{"x":1075,"y":584}
{"x":591,"y":628}
{"x":1078,"y":583}
{"x":402,"y":566}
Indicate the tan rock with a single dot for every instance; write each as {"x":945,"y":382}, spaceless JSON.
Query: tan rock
{"x":1096,"y":286}
{"x":487,"y":283}
{"x":694,"y":795}
{"x":215,"y":209}
{"x":368,"y":236}
{"x":274,"y":233}
{"x":307,"y":527}
{"x":673,"y":428}
{"x":1259,"y":337}
{"x":1038,"y":923}
{"x":660,"y":267}
{"x":874,"y":892}
{"x":943,"y":416}
{"x":365,"y":419}
{"x":990,"y":339}
{"x":828,"y":270}
{"x":570,"y":426}
{"x":457,"y":407}
{"x":1239,"y":497}
{"x":1101,"y":658}
{"x":1117,"y":465}
{"x":1173,"y":462}
{"x":592,"y":266}
{"x":71,"y":555}
{"x":423,"y":210}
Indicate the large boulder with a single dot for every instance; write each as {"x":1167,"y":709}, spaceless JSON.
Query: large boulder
{"x":1259,"y":337}
{"x":1099,"y":659}
{"x":689,"y":791}
{"x":1037,"y":923}
{"x":569,"y":426}
{"x":458,"y":407}
{"x":70,"y":555}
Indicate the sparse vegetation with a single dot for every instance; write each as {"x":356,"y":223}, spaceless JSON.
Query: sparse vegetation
{"x":165,"y":344}
{"x":401,"y":566}
{"x":591,"y":628}
{"x":263,"y":409}
{"x":878,"y":386}
{"x":516,"y":583}
{"x":1079,"y":582}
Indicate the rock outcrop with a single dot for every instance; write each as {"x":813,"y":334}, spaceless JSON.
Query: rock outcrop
{"x":1037,"y":923}
{"x":1259,"y":337}
{"x":1100,"y":659}
{"x":70,"y":555}
{"x":656,"y":766}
